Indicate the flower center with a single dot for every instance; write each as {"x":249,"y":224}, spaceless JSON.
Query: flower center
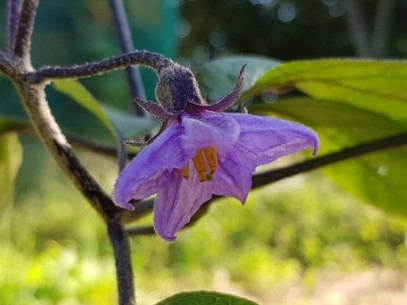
{"x":205,"y":162}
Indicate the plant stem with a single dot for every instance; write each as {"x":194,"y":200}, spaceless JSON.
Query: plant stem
{"x":122,"y":254}
{"x":22,"y":46}
{"x":141,"y":58}
{"x":126,"y":44}
{"x":13,"y":18}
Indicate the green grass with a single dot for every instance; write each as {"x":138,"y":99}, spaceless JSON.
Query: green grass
{"x":54,"y":248}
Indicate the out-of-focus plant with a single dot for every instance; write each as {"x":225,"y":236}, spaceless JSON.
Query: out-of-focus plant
{"x":356,"y":107}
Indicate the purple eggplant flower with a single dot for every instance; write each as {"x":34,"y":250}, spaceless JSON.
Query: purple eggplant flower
{"x":202,"y":152}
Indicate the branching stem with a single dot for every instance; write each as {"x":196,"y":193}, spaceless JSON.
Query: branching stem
{"x":22,"y":46}
{"x":142,"y":58}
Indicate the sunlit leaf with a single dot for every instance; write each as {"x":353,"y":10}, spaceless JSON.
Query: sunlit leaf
{"x":205,"y":298}
{"x":378,"y":178}
{"x":370,"y":85}
{"x":217,"y":78}
{"x":10,"y":161}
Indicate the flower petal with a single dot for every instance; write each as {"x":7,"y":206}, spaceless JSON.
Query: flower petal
{"x":233,"y":178}
{"x":263,"y":140}
{"x":209,"y":129}
{"x":148,"y":171}
{"x":178,"y":201}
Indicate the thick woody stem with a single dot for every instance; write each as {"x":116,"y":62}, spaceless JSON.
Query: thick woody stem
{"x":142,"y":58}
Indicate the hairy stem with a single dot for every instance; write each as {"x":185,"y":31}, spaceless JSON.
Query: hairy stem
{"x":38,"y":110}
{"x":142,"y":58}
{"x":126,"y":45}
{"x":22,"y":46}
{"x":13,"y":18}
{"x":7,"y":64}
{"x":122,"y":255}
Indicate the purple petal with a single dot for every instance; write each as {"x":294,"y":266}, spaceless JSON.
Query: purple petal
{"x":233,"y":178}
{"x":209,"y":129}
{"x":263,"y":140}
{"x":149,"y":170}
{"x":178,"y":201}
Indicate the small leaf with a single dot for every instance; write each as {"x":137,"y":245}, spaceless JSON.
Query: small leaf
{"x":10,"y":161}
{"x":371,"y":85}
{"x":205,"y":298}
{"x":217,"y":78}
{"x":78,"y":93}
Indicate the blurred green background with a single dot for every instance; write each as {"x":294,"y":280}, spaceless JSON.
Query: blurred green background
{"x":280,"y":248}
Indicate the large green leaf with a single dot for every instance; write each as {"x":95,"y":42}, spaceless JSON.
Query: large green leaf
{"x":10,"y":161}
{"x":372,"y":85}
{"x":378,"y":178}
{"x":205,"y":298}
{"x":217,"y":78}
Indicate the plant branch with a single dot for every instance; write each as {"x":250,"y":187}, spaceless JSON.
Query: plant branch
{"x":140,"y":58}
{"x":126,"y":45}
{"x":122,"y":255}
{"x":146,"y":206}
{"x":22,"y":46}
{"x":13,"y":18}
{"x":7,"y":64}
{"x":38,"y":110}
{"x":141,"y":230}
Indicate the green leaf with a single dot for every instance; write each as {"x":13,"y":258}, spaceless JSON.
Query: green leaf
{"x":114,"y":120}
{"x":10,"y":161}
{"x":371,"y":85}
{"x":217,"y":78}
{"x":205,"y":298}
{"x":130,"y":127}
{"x":378,"y":178}
{"x":83,"y":97}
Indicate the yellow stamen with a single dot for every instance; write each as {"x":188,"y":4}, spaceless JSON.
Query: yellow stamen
{"x":185,"y":172}
{"x":211,"y":158}
{"x":200,"y":164}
